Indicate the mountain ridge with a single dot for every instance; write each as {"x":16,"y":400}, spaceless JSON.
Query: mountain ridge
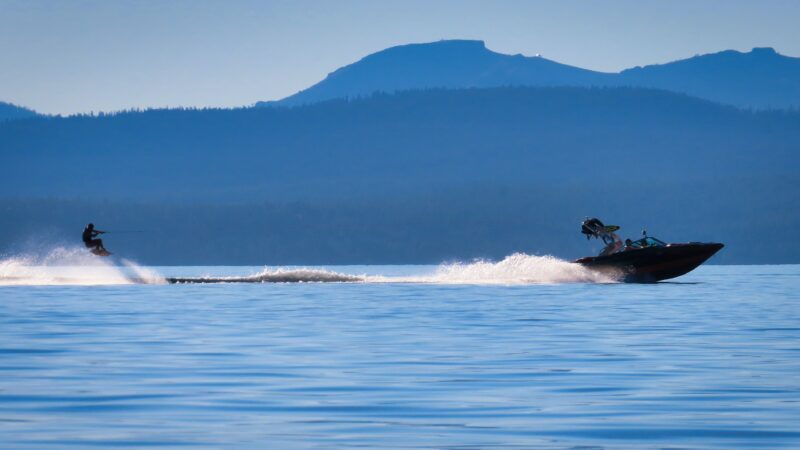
{"x":761,"y":78}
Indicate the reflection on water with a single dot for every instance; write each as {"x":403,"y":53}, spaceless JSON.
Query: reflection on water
{"x":708,"y":362}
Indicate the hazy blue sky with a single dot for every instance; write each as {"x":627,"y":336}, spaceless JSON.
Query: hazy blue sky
{"x":103,"y":55}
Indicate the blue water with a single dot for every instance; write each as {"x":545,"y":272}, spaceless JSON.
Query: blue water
{"x":710,"y":361}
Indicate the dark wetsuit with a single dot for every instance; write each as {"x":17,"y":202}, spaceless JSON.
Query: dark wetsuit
{"x":88,"y":234}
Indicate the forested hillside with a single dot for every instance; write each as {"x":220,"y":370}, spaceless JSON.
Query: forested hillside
{"x":417,"y":176}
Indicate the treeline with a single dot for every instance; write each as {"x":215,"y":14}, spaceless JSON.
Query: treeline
{"x":9,"y":111}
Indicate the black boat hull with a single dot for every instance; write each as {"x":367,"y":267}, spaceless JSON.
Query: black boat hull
{"x":652,"y":264}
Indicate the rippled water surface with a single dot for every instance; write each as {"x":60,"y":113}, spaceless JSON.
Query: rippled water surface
{"x":710,"y":361}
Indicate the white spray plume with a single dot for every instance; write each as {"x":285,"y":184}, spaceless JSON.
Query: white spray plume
{"x":75,"y":266}
{"x":70,"y":266}
{"x":518,"y":268}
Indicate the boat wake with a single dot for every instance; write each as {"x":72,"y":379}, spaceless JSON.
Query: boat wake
{"x":276,"y":276}
{"x":73,"y":266}
{"x":518,"y":268}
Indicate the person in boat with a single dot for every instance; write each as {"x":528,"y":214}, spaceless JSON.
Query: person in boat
{"x":89,"y":234}
{"x":595,"y":228}
{"x":612,"y":241}
{"x":613,"y":244}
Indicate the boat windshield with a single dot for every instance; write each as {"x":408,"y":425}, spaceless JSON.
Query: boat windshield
{"x":648,"y":242}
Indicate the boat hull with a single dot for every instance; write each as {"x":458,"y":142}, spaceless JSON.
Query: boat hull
{"x":652,"y":264}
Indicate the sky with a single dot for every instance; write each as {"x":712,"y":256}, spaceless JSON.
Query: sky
{"x":80,"y":56}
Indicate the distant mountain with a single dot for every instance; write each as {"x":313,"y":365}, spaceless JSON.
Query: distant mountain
{"x":761,"y":78}
{"x":10,"y":111}
{"x":443,"y":64}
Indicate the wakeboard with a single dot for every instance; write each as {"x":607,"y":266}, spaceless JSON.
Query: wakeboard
{"x":100,"y":252}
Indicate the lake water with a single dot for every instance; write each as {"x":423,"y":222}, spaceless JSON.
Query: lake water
{"x":535,"y":354}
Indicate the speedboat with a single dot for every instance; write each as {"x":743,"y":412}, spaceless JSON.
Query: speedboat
{"x":646,"y":260}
